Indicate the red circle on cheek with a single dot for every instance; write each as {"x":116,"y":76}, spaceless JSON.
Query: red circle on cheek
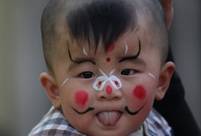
{"x":81,"y":97}
{"x":139,"y":92}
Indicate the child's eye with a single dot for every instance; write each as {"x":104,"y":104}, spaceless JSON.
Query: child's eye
{"x":87,"y":74}
{"x":127,"y":72}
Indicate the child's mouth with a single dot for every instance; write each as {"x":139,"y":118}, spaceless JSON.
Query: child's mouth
{"x":109,"y":118}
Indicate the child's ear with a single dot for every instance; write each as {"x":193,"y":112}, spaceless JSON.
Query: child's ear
{"x":49,"y":84}
{"x":164,"y":79}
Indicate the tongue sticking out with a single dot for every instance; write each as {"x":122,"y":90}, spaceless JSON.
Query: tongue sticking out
{"x":109,"y":118}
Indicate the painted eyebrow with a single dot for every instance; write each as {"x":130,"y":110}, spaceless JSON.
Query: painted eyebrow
{"x":132,"y":57}
{"x":79,"y":61}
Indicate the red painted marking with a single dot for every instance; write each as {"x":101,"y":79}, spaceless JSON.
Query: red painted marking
{"x":108,"y":59}
{"x":139,"y":92}
{"x":117,"y":83}
{"x":111,"y":47}
{"x":99,"y":83}
{"x":81,"y":97}
{"x":109,"y":89}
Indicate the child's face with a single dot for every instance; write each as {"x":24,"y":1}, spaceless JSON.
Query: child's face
{"x":112,"y":92}
{"x":108,"y":92}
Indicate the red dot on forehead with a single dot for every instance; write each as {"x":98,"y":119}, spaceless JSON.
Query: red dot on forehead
{"x":111,"y":47}
{"x":81,"y":97}
{"x":108,"y":59}
{"x":109,"y":89}
{"x":139,"y":92}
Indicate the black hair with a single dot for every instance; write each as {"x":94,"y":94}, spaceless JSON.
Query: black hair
{"x":101,"y":21}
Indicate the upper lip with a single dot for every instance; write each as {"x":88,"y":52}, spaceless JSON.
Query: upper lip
{"x":109,"y":109}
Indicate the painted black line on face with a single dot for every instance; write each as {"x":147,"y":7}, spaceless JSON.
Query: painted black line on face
{"x":79,"y":61}
{"x":133,"y":113}
{"x":89,"y":109}
{"x":133,"y":57}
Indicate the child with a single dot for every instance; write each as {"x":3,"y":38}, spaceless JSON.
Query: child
{"x":106,"y":62}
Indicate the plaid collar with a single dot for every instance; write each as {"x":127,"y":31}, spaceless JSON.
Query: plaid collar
{"x":156,"y":125}
{"x":55,"y":124}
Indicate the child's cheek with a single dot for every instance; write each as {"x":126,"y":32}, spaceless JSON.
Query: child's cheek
{"x":81,"y":97}
{"x":137,"y":97}
{"x":139,"y":92}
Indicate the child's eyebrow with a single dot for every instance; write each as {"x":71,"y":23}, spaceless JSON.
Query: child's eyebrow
{"x":132,"y":57}
{"x":80,"y":60}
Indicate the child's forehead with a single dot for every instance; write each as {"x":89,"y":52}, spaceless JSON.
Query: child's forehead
{"x":127,"y":41}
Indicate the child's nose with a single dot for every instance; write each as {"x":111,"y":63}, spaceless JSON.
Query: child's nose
{"x":109,"y":93}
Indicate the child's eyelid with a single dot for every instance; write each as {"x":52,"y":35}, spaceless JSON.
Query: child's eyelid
{"x":131,"y":72}
{"x":81,"y":75}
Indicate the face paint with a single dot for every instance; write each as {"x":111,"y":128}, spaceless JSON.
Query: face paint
{"x":109,"y":89}
{"x":81,"y":97}
{"x":133,"y":57}
{"x":139,"y":92}
{"x":108,"y":59}
{"x":133,"y":113}
{"x":79,"y":61}
{"x":84,"y":51}
{"x":89,"y":109}
{"x":64,"y":82}
{"x":111,"y":47}
{"x":102,"y":80}
{"x":126,"y":50}
{"x":99,"y":83}
{"x":116,"y":83}
{"x":151,"y":75}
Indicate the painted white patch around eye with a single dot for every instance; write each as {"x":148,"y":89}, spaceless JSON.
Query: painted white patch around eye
{"x":84,"y":51}
{"x":151,"y":75}
{"x":64,"y":82}
{"x":126,"y":46}
{"x":104,"y":79}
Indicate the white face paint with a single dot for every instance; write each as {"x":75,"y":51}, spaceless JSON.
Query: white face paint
{"x":151,"y":75}
{"x":64,"y":82}
{"x":84,"y":51}
{"x":102,"y":80}
{"x":126,"y":46}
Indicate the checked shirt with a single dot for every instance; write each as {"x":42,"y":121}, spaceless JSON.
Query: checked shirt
{"x":55,"y":124}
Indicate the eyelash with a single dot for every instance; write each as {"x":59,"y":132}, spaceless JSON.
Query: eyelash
{"x":87,"y":75}
{"x":128,"y":72}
